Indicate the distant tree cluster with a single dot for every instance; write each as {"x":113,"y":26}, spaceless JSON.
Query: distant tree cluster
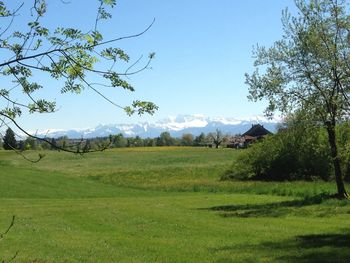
{"x":214,"y":140}
{"x":165,"y":139}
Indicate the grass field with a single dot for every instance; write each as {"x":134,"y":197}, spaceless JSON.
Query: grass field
{"x":163,"y":205}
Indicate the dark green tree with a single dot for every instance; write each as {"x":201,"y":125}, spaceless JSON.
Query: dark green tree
{"x":119,"y":141}
{"x":53,"y":144}
{"x":199,"y":140}
{"x":10,"y":142}
{"x":309,"y":69}
{"x":165,"y":139}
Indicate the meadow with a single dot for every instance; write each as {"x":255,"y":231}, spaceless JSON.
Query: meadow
{"x":163,"y":204}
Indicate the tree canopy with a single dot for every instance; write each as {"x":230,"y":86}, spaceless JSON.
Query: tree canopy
{"x":309,"y":69}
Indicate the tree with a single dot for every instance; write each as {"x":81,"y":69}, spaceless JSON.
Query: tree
{"x":165,"y":139}
{"x":216,"y":138}
{"x":187,"y":139}
{"x":30,"y":144}
{"x":138,"y":142}
{"x":119,"y":141}
{"x":53,"y":144}
{"x":309,"y":69}
{"x":10,"y":142}
{"x":21,"y":146}
{"x":62,"y":142}
{"x":45,"y":145}
{"x":199,"y":140}
{"x":134,"y":142}
{"x":77,"y":60}
{"x":87,"y":146}
{"x":150,"y":142}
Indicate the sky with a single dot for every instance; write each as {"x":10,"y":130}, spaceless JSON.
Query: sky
{"x":203,"y":49}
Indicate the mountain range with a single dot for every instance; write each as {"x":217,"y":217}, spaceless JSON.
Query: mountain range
{"x":176,"y":126}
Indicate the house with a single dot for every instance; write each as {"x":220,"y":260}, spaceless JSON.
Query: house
{"x":256,"y":132}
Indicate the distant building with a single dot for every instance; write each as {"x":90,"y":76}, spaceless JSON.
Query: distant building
{"x":256,"y":132}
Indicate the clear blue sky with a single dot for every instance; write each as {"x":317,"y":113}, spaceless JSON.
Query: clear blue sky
{"x":203,"y":48}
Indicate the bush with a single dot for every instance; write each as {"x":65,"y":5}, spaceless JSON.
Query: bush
{"x":297,"y":152}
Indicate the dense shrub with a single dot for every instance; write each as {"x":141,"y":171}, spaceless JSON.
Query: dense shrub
{"x":299,"y":151}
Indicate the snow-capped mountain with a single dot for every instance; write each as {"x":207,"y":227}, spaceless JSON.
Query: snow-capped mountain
{"x":176,"y":126}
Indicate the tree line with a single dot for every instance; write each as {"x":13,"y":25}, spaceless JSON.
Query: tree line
{"x":213,"y":139}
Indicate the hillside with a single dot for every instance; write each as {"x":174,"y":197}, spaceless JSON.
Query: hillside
{"x":162,"y":204}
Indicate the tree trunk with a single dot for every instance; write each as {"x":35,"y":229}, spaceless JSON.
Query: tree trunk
{"x":336,"y":162}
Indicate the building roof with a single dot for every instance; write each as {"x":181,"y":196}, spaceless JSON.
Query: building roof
{"x":256,"y":130}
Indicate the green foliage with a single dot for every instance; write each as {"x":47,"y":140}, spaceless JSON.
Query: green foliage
{"x":119,"y":141}
{"x":4,"y":12}
{"x":135,"y":142}
{"x":30,"y":144}
{"x":141,"y":107}
{"x":200,"y":140}
{"x":10,"y":142}
{"x":187,"y":139}
{"x":308,"y":69}
{"x":165,"y":139}
{"x":297,"y":152}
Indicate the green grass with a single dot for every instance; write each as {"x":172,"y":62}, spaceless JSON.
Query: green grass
{"x":163,"y":205}
{"x":160,"y":169}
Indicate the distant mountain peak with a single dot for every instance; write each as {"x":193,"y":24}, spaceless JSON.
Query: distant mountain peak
{"x":175,"y":125}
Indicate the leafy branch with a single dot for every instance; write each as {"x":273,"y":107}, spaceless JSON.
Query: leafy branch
{"x":65,"y":54}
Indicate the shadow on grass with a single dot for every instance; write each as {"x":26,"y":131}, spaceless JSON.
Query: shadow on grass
{"x":325,"y":247}
{"x":330,"y":247}
{"x":275,"y":209}
{"x":320,"y":248}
